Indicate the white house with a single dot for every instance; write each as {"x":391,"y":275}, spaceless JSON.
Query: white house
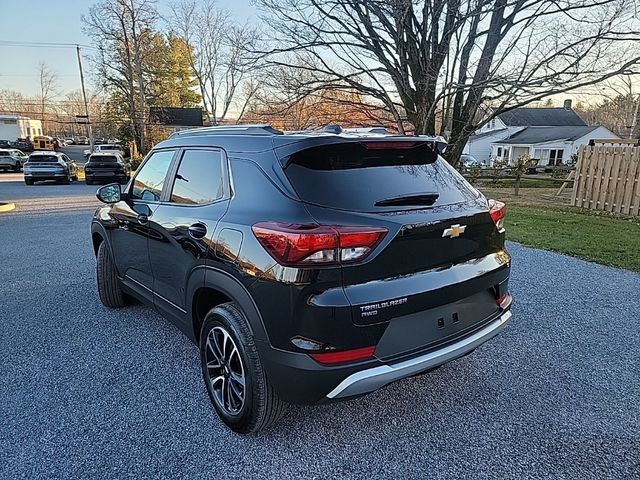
{"x":550,"y":135}
{"x":13,"y":127}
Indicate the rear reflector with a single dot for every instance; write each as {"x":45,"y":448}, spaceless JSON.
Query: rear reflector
{"x":498,"y":211}
{"x":330,"y":357}
{"x":306,"y":245}
{"x":504,"y":301}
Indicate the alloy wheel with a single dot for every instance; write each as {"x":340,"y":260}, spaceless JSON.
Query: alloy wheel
{"x":225,"y":371}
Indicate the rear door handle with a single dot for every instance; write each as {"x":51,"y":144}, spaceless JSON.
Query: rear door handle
{"x":197,"y":231}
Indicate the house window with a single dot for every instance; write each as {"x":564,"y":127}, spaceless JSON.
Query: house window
{"x":499,"y":152}
{"x":549,"y":156}
{"x":555,"y":157}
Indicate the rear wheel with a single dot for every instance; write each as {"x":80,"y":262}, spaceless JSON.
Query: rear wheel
{"x":18,"y":167}
{"x":66,"y":180}
{"x":235,"y":379}
{"x":111,"y":295}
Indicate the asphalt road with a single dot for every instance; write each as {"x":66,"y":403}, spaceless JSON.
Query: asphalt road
{"x":88,"y":392}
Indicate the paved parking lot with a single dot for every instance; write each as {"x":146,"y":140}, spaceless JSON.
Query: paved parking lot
{"x":90,"y":392}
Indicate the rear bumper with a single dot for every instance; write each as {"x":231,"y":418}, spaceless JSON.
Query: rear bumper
{"x":45,"y":175}
{"x":106,"y":176}
{"x":299,"y":379}
{"x":372,"y":379}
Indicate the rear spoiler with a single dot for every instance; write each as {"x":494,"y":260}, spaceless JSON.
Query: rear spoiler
{"x":437,"y":145}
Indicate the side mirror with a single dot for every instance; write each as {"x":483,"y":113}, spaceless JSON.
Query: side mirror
{"x":109,"y":193}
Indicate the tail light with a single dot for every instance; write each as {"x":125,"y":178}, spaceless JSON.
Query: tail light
{"x":345,"y":356}
{"x":498,"y":211}
{"x":305,"y":245}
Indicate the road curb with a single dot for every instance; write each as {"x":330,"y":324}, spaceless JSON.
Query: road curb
{"x":7,"y":207}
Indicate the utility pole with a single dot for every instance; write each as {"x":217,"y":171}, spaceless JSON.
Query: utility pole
{"x":84,"y":96}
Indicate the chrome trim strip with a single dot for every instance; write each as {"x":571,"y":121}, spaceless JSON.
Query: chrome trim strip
{"x":377,"y":377}
{"x":139,"y":283}
{"x":156,"y":294}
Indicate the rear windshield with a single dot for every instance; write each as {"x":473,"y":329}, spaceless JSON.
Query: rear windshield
{"x":109,"y":147}
{"x":353,"y":177}
{"x":43,"y":158}
{"x":103,"y":158}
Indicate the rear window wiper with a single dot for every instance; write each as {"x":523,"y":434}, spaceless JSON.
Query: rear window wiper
{"x":407,"y":200}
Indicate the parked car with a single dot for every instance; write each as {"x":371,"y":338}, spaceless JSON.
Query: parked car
{"x":24,"y":145}
{"x":308,"y":267}
{"x":83,"y":141}
{"x":105,"y":148}
{"x":99,"y":141}
{"x":113,"y":141}
{"x":49,"y":166}
{"x":104,"y":166}
{"x":12,"y":159}
{"x":69,"y":141}
{"x":470,"y":161}
{"x":6,"y":144}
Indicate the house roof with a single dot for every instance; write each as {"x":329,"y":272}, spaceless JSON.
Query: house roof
{"x":488,"y":133}
{"x":531,"y":135}
{"x":541,"y":117}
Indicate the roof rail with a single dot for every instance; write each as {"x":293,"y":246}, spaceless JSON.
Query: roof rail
{"x":259,"y":129}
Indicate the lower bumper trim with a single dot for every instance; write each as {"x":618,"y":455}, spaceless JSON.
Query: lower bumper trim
{"x":373,"y":378}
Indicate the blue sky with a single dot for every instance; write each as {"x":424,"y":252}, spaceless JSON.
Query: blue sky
{"x":37,"y":21}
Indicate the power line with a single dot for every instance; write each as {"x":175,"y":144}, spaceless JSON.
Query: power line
{"x":12,"y":43}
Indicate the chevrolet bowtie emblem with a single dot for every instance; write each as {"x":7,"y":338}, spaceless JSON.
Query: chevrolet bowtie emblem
{"x":454,"y":231}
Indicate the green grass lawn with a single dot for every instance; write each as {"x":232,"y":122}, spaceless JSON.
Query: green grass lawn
{"x":598,"y":238}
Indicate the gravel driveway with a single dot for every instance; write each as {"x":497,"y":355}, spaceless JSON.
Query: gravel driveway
{"x":90,"y":392}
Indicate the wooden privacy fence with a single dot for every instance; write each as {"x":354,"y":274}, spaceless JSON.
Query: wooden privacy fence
{"x":608,"y":179}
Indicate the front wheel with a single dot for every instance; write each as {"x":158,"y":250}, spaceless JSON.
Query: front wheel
{"x":233,"y":374}
{"x":111,"y":295}
{"x":28,"y":181}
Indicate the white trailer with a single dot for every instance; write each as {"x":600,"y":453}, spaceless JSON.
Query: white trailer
{"x":13,"y":127}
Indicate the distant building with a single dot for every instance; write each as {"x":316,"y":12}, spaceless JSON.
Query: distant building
{"x":13,"y":127}
{"x":550,"y":135}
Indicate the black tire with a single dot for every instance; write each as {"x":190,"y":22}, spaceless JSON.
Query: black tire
{"x":66,"y":180}
{"x":261,"y":407}
{"x":28,"y":181}
{"x":111,"y":295}
{"x":17,"y":168}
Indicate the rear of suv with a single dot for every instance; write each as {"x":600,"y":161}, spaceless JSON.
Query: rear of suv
{"x":308,"y":267}
{"x":104,"y":167}
{"x":56,"y":166}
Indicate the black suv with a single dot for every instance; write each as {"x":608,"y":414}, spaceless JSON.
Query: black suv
{"x":105,"y":166}
{"x":308,"y":267}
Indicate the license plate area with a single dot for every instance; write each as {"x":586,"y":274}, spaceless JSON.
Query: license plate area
{"x":428,"y":328}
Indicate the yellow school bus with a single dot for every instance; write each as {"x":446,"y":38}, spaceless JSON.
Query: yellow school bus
{"x":42,"y":142}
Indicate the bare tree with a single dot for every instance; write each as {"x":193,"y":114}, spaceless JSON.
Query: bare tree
{"x":445,"y":61}
{"x":121,"y":29}
{"x":48,"y":88}
{"x":220,"y":58}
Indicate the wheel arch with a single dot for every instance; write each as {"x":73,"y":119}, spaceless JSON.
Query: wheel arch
{"x":98,"y":235}
{"x":209,"y":287}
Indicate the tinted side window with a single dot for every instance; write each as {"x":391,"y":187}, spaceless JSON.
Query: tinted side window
{"x":151,"y":177}
{"x":199,"y":178}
